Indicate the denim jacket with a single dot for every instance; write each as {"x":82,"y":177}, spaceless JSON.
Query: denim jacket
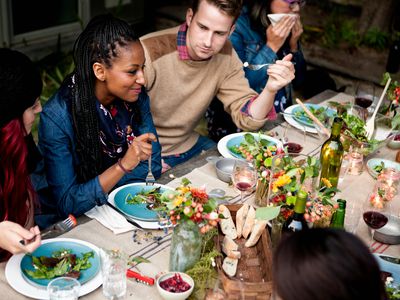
{"x":58,"y":146}
{"x":251,"y":47}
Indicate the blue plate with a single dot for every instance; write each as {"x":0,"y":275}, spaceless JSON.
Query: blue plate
{"x":47,"y":249}
{"x":389,"y":267}
{"x":136,"y":211}
{"x":237,"y":140}
{"x":307,"y":121}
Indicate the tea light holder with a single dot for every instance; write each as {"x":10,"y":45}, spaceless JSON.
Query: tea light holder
{"x":356,"y":161}
{"x":387,"y":183}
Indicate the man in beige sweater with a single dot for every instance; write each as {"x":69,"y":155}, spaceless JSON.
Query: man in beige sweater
{"x":187,"y":66}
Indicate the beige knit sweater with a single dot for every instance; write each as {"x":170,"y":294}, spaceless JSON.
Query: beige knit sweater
{"x":181,"y":90}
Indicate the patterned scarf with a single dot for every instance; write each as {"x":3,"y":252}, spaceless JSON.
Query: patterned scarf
{"x":116,"y":129}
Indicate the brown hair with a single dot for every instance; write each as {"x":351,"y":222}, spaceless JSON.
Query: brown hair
{"x":230,"y":7}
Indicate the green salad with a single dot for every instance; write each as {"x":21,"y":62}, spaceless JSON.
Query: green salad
{"x":320,"y":113}
{"x":61,"y":263}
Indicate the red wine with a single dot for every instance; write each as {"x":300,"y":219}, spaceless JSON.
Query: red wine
{"x":243,"y":186}
{"x":363,"y":102}
{"x":293,"y":147}
{"x":375,"y":219}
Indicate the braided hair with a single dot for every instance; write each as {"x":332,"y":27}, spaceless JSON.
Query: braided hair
{"x":98,"y":42}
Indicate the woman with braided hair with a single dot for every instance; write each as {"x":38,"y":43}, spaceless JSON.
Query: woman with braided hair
{"x":97,"y":133}
{"x":20,"y":88}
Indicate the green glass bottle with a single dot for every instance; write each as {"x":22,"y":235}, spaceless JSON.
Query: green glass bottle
{"x":296,"y":222}
{"x":339,"y":215}
{"x":332,"y":155}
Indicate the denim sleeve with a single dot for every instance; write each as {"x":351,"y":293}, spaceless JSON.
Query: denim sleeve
{"x":57,"y":146}
{"x":253,"y":53}
{"x":140,"y":172}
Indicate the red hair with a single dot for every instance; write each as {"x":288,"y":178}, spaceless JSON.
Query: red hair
{"x":15,"y":185}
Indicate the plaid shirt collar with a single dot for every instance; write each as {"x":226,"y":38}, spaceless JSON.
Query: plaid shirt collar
{"x":181,"y":43}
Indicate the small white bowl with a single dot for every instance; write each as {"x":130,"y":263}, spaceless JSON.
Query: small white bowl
{"x":275,"y":18}
{"x":392,"y":143}
{"x":175,"y":296}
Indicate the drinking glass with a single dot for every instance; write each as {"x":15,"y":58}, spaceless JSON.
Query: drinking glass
{"x":295,"y":139}
{"x":244,"y":177}
{"x":113,"y":267}
{"x":65,"y":288}
{"x":364,"y":97}
{"x":353,"y":214}
{"x":374,"y":211}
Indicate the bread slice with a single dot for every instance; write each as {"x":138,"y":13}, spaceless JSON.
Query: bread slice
{"x":241,"y":215}
{"x":230,"y":266}
{"x":249,"y":223}
{"x":227,"y":225}
{"x":259,"y":226}
{"x":229,"y":247}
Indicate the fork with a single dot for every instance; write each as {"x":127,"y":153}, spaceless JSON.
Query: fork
{"x":258,"y":67}
{"x":59,"y":228}
{"x":370,"y":125}
{"x":150,"y":180}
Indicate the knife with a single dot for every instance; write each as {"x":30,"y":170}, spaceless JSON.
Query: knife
{"x":129,"y":221}
{"x":393,"y":260}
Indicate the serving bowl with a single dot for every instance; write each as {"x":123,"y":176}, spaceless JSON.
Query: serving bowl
{"x":373,"y":162}
{"x":223,"y":167}
{"x":166,"y":295}
{"x":390,"y":233}
{"x":394,"y":141}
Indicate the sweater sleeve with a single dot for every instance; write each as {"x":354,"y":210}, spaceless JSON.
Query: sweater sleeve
{"x":234,"y":92}
{"x":55,"y":142}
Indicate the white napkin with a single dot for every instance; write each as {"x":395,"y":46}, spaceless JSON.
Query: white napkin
{"x":110,"y":219}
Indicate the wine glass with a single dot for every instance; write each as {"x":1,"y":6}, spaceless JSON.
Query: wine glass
{"x":364,"y":97}
{"x":244,"y":177}
{"x":374,"y":212}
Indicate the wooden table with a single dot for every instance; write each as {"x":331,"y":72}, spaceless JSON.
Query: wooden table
{"x":354,"y":188}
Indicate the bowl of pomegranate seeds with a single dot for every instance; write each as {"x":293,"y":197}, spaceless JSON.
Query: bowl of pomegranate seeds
{"x":394,"y":141}
{"x":175,"y":286}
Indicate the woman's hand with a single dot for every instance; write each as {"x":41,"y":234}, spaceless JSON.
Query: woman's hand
{"x":280,"y":74}
{"x":12,"y":233}
{"x":140,"y":149}
{"x":297,"y":31}
{"x":277,"y":34}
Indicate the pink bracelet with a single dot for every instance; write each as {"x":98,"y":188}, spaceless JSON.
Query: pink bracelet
{"x":122,"y":168}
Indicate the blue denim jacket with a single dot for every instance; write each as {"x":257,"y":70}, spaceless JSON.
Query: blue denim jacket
{"x":57,"y":144}
{"x":251,"y":47}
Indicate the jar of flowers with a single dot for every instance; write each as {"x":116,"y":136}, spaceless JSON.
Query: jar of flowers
{"x":193,"y":213}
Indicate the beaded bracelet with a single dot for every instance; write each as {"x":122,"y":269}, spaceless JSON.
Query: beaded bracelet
{"x":122,"y":168}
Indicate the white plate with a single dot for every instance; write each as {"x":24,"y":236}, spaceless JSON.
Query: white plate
{"x":144,"y":224}
{"x":373,"y":162}
{"x":16,"y":280}
{"x":222,"y":144}
{"x":292,"y":121}
{"x":389,"y":267}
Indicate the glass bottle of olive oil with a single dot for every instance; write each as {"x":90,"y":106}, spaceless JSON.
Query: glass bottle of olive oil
{"x":332,"y":155}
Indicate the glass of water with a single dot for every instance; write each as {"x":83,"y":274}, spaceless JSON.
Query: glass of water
{"x":113,"y":267}
{"x":65,"y":288}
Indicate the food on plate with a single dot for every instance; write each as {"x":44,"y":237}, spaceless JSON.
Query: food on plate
{"x":241,"y":215}
{"x":379,"y":168}
{"x":258,"y":228}
{"x":230,"y":266}
{"x":251,"y":147}
{"x":230,"y":248}
{"x":145,"y":196}
{"x":175,"y":284}
{"x":249,"y":223}
{"x":227,"y":225}
{"x":321,"y":113}
{"x":61,"y":263}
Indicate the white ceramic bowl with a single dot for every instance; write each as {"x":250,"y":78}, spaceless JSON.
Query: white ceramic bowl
{"x":392,"y":143}
{"x":175,"y":296}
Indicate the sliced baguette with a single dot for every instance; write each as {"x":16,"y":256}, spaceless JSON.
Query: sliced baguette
{"x":229,"y":247}
{"x":230,"y":266}
{"x":241,"y":215}
{"x":259,"y":226}
{"x":249,"y":223}
{"x":227,"y":225}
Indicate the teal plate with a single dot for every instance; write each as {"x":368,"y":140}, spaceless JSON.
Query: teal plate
{"x":373,"y":162}
{"x":137,"y":211}
{"x":47,"y":249}
{"x":237,"y":140}
{"x":307,"y":121}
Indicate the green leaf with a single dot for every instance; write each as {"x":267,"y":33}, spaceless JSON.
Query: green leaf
{"x":134,"y":261}
{"x":249,"y":138}
{"x":185,"y":181}
{"x":267,"y":213}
